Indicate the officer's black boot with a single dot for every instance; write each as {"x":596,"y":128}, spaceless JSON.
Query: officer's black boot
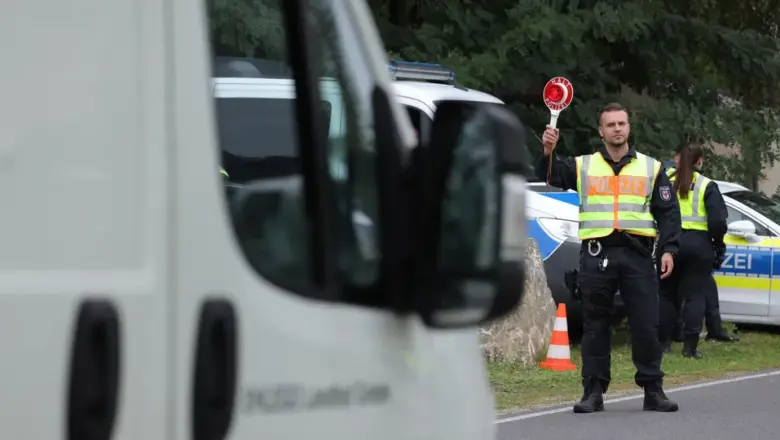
{"x":656,"y":400}
{"x":722,"y":336}
{"x":592,"y":400}
{"x":690,"y":346}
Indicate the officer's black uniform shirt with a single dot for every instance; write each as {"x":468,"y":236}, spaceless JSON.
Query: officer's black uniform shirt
{"x":717,"y":214}
{"x":666,"y":212}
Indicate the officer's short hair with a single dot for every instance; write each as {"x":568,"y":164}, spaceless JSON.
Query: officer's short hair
{"x":612,"y":107}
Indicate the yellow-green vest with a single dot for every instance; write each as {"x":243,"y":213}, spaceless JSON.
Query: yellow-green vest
{"x":224,"y":173}
{"x":692,"y":209}
{"x":609,"y":202}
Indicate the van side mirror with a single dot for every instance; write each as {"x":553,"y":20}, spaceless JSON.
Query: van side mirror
{"x":469,"y":199}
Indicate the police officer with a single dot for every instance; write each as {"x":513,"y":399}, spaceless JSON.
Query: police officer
{"x":703,"y":214}
{"x":623,"y":194}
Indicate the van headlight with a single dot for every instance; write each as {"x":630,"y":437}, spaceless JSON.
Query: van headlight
{"x":561,"y":230}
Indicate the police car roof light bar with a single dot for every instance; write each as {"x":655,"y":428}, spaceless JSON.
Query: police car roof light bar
{"x":412,"y":70}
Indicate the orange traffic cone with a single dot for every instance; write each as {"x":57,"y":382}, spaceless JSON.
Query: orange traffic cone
{"x":558,"y":354}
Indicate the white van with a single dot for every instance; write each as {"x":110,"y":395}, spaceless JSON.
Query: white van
{"x":140,"y":302}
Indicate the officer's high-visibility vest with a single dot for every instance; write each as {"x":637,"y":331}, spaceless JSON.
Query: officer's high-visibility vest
{"x":692,"y":209}
{"x":609,"y":202}
{"x":224,"y":173}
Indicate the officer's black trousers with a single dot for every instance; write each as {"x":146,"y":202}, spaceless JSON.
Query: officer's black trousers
{"x":691,"y":280}
{"x":712,"y":311}
{"x":712,"y":319}
{"x":634,"y":275}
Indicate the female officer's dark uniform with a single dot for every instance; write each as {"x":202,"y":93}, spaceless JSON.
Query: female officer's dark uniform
{"x":701,"y":249}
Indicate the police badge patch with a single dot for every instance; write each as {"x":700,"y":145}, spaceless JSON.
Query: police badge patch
{"x":666,"y":193}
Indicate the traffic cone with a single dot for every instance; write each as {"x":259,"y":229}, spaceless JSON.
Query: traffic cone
{"x":559,"y":354}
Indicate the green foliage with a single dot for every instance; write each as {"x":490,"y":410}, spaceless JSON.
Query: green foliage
{"x":251,"y":28}
{"x":702,"y":69}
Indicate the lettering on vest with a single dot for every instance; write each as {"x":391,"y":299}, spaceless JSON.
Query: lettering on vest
{"x":617,"y":185}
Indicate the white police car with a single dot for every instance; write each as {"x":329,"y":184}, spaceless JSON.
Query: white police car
{"x":749,"y":279}
{"x":419,"y":87}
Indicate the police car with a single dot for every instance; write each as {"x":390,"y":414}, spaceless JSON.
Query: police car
{"x":748,"y":281}
{"x":419,"y":87}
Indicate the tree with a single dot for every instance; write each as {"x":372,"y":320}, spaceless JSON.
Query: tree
{"x":705,"y":69}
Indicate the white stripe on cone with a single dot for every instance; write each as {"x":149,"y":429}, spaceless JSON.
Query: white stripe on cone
{"x":558,"y":352}
{"x":560,"y":325}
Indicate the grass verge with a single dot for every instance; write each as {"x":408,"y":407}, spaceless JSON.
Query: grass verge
{"x":516,"y":387}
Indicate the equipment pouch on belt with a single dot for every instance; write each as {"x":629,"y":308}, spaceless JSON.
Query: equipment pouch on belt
{"x":599,"y":301}
{"x":570,"y":279}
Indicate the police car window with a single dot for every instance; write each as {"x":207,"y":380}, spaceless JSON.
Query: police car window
{"x":763,"y":205}
{"x":257,"y":128}
{"x":257,"y":131}
{"x":420,"y":121}
{"x":735,"y":215}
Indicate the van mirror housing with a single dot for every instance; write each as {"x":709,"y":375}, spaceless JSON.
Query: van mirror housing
{"x":469,"y":199}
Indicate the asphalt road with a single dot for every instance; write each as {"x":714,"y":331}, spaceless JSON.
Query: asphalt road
{"x":742,"y":408}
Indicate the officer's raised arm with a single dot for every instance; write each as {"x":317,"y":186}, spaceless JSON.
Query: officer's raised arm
{"x":666,"y":210}
{"x":563,"y":173}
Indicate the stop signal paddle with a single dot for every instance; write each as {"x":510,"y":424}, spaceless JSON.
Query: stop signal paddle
{"x":558,"y":94}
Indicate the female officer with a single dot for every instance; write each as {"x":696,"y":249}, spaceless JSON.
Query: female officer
{"x":703,"y":214}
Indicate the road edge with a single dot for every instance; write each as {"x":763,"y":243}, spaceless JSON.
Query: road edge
{"x":556,"y":409}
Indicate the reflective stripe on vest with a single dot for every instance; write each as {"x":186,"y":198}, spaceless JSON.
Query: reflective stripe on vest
{"x":692,"y":210}
{"x":609,"y":202}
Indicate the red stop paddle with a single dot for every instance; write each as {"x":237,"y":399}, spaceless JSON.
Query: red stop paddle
{"x":558,"y":94}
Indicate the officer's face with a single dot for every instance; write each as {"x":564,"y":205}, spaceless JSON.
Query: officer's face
{"x":614,"y":128}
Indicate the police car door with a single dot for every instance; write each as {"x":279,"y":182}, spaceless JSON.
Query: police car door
{"x":744,"y":280}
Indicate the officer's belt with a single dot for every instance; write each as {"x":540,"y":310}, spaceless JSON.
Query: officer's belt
{"x":643,"y":245}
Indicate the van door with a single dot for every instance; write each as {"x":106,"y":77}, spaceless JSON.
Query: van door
{"x":83,"y":262}
{"x":268,"y":345}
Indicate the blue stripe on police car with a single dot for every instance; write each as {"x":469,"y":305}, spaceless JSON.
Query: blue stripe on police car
{"x":742,"y":260}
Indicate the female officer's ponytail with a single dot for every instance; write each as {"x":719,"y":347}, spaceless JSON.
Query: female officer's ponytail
{"x":689,"y":153}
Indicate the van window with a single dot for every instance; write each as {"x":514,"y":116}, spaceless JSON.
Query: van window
{"x":258,"y":139}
